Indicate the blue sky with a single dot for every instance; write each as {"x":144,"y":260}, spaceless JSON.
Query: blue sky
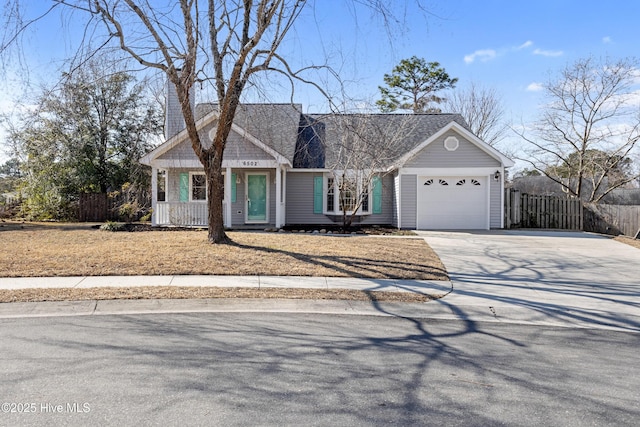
{"x":511,"y":46}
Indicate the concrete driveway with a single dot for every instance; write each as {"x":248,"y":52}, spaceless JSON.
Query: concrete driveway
{"x":565,"y":278}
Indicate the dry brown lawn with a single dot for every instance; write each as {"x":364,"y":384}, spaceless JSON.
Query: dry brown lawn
{"x":172,"y":292}
{"x":42,"y":249}
{"x":629,"y":241}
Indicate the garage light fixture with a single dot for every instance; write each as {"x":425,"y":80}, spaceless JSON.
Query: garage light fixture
{"x":496,"y":176}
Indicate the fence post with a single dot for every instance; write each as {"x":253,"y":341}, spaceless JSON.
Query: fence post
{"x":507,"y":208}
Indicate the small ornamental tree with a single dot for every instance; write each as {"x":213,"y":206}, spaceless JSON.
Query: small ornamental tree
{"x":363,"y":147}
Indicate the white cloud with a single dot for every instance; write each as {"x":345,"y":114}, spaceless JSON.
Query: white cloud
{"x":534,"y":87}
{"x":607,"y":40}
{"x":634,"y":98}
{"x":482,"y":55}
{"x":635,"y":73}
{"x":548,"y":52}
{"x":525,"y":45}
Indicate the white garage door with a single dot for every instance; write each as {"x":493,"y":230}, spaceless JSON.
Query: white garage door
{"x":455,"y":203}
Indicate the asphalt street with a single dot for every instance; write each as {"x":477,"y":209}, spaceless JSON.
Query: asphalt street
{"x":312,"y":369}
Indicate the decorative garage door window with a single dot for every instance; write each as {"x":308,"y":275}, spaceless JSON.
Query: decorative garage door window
{"x":459,"y":183}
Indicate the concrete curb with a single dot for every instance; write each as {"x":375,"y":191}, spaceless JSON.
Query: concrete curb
{"x":437,"y":310}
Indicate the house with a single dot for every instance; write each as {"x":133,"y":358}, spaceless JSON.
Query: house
{"x":285,"y":168}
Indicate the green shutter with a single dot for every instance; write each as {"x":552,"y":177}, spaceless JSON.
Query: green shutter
{"x":184,"y":187}
{"x":317,"y":195}
{"x":377,"y":195}
{"x":233,"y":187}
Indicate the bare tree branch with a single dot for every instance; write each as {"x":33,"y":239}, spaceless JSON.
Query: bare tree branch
{"x":589,"y":132}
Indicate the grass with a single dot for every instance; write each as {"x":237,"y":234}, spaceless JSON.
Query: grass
{"x":171,"y":292}
{"x":43,"y":249}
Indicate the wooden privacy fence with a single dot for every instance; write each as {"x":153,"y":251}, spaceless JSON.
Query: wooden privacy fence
{"x":98,"y":207}
{"x":612,"y":219}
{"x":94,"y":207}
{"x":533,"y":211}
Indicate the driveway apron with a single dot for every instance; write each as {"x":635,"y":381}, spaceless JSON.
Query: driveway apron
{"x":567,"y":278}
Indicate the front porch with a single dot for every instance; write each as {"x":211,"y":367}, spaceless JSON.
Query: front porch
{"x":253,"y":198}
{"x":184,"y":214}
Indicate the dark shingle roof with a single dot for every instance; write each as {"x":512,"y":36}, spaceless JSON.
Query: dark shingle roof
{"x":384,"y":137}
{"x":276,"y":125}
{"x":322,"y":140}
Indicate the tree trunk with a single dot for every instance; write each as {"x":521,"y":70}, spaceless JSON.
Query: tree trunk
{"x":215,"y":195}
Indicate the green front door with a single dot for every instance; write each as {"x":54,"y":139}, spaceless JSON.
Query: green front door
{"x":256,"y":198}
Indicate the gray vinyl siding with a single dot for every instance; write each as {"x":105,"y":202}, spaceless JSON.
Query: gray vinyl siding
{"x":237,"y":148}
{"x":495,"y":204}
{"x":182,"y":151}
{"x":408,"y":193}
{"x":436,"y":156}
{"x":299,"y":208}
{"x":237,"y":208}
{"x":386,"y":217}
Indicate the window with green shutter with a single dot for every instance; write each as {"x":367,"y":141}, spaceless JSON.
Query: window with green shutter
{"x":184,"y":187}
{"x":377,"y":195}
{"x":234,"y":177}
{"x":317,"y":194}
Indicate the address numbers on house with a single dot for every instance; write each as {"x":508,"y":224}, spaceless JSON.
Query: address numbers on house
{"x":250,"y":164}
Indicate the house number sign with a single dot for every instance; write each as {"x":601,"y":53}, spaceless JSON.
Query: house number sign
{"x":250,"y":164}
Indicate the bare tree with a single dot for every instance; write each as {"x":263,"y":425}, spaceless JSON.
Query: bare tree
{"x":226,"y":42}
{"x":361,"y":148}
{"x":482,"y":109}
{"x":589,"y":130}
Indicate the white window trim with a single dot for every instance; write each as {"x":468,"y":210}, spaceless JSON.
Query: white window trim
{"x":336,"y":194}
{"x":206,"y":185}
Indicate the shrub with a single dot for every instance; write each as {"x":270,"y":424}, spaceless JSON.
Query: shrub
{"x":112,"y":226}
{"x":146,"y":217}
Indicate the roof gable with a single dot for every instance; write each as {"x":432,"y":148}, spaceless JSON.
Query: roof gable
{"x":387,"y":137}
{"x":270,"y":127}
{"x":463,"y":132}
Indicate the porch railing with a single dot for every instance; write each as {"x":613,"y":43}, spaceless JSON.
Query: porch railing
{"x":186,"y":214}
